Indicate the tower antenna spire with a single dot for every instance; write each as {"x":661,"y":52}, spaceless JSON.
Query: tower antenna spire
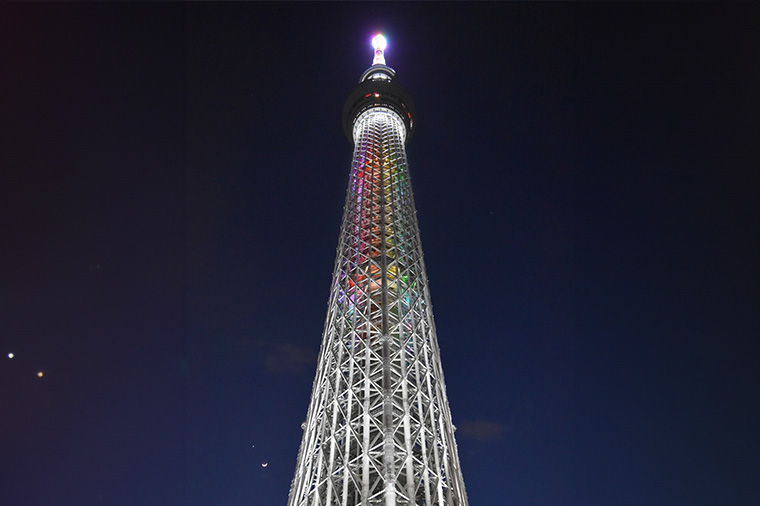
{"x":379,"y":43}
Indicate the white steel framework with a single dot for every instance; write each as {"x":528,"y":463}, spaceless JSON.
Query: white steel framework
{"x":378,"y":430}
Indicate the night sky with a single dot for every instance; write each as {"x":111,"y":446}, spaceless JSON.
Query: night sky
{"x":587,"y":179}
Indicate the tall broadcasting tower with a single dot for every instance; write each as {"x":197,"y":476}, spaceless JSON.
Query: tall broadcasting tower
{"x":378,"y":431}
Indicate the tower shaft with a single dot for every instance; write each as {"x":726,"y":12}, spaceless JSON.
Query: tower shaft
{"x":378,"y":430}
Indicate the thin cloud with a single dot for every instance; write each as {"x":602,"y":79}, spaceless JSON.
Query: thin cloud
{"x":289,"y":358}
{"x":482,"y":430}
{"x":283,"y":358}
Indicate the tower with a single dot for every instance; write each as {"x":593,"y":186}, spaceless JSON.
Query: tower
{"x":378,"y":431}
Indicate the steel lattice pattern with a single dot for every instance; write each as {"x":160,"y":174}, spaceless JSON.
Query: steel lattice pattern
{"x":378,"y":429}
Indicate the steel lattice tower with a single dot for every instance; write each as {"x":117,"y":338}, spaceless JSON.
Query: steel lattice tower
{"x":378,"y":431}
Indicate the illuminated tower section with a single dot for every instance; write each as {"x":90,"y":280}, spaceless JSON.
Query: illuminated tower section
{"x":378,"y":431}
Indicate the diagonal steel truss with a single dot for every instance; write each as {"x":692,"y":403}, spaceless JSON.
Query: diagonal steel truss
{"x":378,"y":429}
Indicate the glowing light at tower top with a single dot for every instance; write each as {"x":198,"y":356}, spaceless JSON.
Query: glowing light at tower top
{"x":379,"y":43}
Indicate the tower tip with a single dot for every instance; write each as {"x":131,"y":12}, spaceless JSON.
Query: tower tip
{"x":379,"y":43}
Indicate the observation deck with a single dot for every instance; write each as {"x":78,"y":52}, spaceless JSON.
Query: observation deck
{"x":377,"y":88}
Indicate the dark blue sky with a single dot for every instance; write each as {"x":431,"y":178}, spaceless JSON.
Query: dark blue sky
{"x":587,"y":185}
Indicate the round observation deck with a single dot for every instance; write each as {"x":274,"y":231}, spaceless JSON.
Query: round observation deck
{"x":377,"y":88}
